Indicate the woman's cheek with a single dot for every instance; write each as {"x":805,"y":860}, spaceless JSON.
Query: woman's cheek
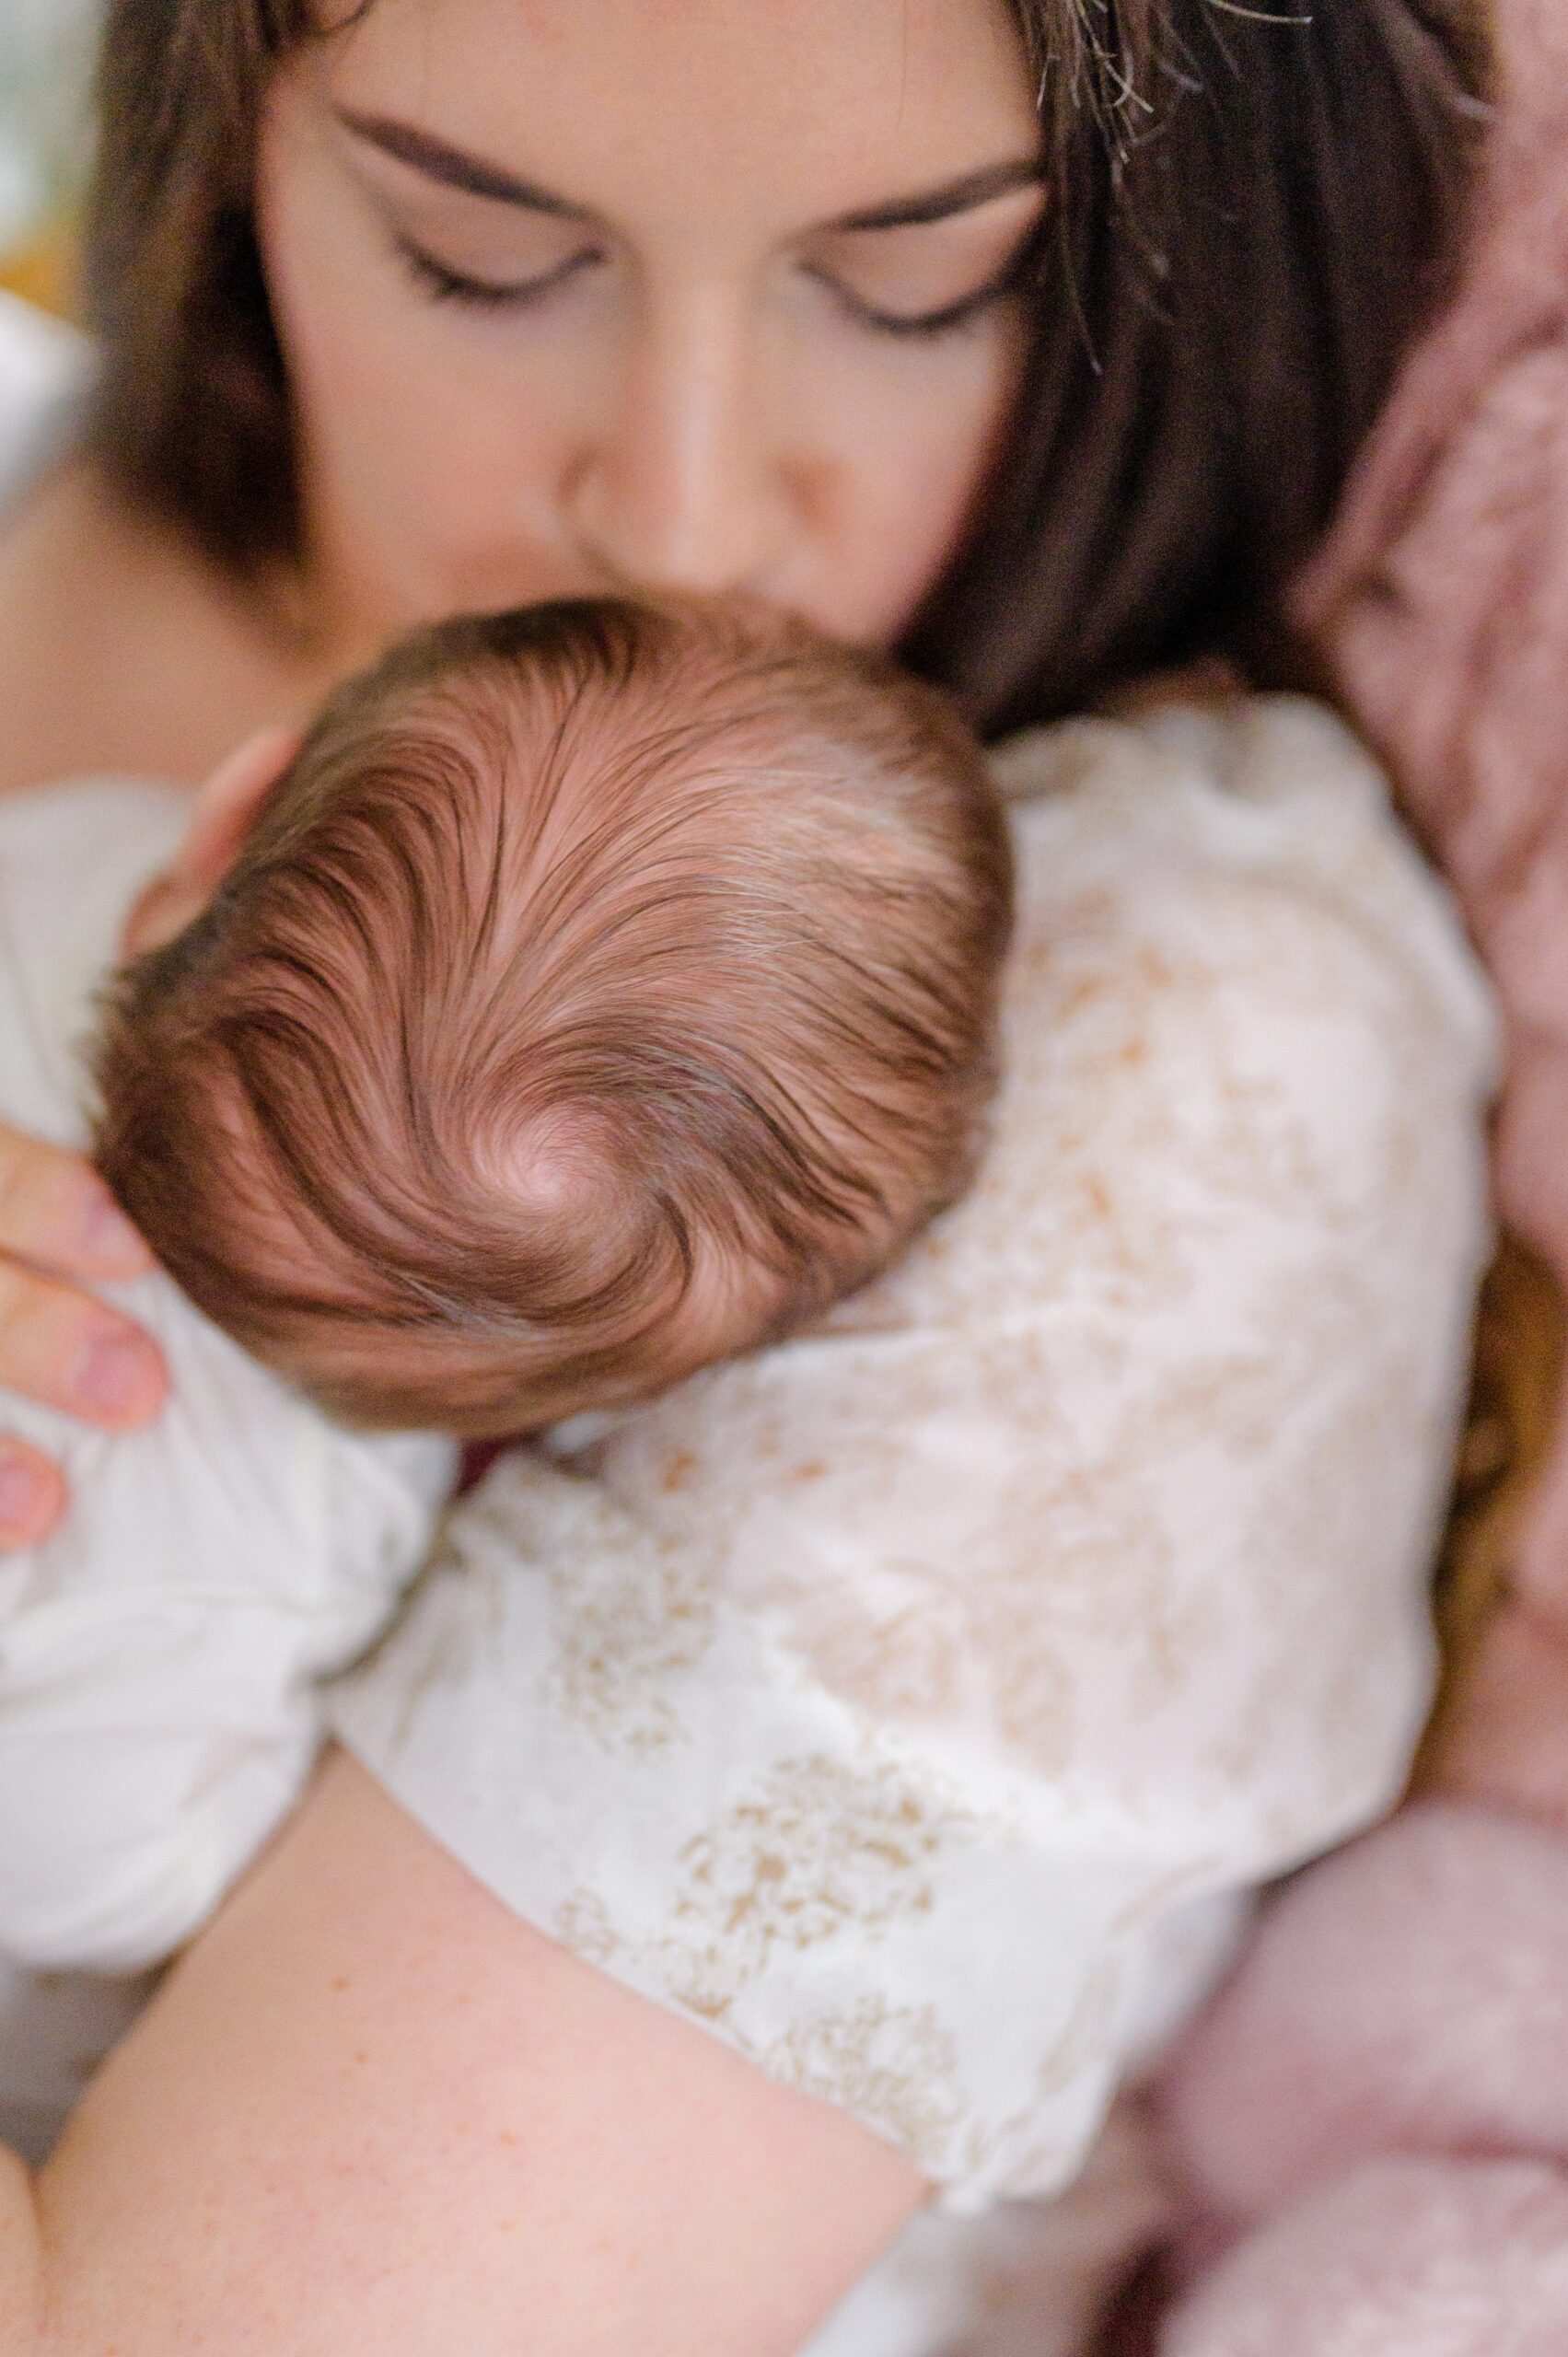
{"x":426,"y":441}
{"x":918,"y":438}
{"x":422,"y":481}
{"x":448,"y":478}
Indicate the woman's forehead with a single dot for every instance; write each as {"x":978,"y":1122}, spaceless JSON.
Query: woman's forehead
{"x":792,"y":110}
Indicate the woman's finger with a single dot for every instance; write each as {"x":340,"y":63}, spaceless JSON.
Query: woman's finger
{"x":72,"y":1353}
{"x":32,"y":1493}
{"x":57,"y":1213}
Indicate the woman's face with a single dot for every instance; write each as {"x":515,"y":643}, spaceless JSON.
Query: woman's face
{"x":582,"y":296}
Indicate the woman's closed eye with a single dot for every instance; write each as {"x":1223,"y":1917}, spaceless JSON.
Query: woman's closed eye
{"x":462,"y":244}
{"x":443,"y":282}
{"x":943,"y":319}
{"x":926,"y":278}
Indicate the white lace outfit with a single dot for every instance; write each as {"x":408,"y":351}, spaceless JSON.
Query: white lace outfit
{"x":909,"y":1704}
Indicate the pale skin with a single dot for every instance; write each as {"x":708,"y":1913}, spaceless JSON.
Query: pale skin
{"x":749,"y":338}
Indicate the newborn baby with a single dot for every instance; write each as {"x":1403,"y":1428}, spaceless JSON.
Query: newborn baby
{"x":601,"y":991}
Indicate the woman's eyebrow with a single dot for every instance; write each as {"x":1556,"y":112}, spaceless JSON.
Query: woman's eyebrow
{"x":455,"y":169}
{"x":955,"y":196}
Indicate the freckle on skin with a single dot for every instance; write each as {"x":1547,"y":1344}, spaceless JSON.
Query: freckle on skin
{"x":340,"y":1983}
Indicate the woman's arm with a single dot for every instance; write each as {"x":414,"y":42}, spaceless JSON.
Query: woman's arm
{"x":373,"y":2114}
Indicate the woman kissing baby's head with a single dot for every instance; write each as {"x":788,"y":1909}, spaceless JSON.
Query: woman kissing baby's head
{"x":602,"y":989}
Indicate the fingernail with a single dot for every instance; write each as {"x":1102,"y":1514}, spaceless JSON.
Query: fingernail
{"x":21,"y":1492}
{"x":118,"y":1378}
{"x":107,"y":1236}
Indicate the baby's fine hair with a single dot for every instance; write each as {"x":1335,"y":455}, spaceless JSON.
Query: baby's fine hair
{"x":591,"y":968}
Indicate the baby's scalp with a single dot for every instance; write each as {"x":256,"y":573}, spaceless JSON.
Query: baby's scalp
{"x":602,"y":988}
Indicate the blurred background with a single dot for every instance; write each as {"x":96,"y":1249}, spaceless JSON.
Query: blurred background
{"x":45,"y":65}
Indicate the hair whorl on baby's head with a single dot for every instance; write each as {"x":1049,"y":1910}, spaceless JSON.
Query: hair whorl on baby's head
{"x":603,"y":988}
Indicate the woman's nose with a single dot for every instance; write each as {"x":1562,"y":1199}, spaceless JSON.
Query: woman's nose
{"x":678,"y":480}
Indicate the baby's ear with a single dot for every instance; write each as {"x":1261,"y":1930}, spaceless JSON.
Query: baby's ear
{"x":225,"y":811}
{"x":227,"y":806}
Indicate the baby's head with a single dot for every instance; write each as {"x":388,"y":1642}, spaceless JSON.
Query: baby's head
{"x":600,"y":989}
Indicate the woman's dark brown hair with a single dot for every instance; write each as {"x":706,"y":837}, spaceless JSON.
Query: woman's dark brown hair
{"x":1252,"y":215}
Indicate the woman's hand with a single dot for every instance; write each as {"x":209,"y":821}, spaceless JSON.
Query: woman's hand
{"x":60,"y":1231}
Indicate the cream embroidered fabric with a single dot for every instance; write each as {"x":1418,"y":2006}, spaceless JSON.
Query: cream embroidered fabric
{"x":877,"y":1699}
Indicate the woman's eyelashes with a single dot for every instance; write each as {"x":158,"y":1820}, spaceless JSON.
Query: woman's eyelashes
{"x":947,"y":319}
{"x":443,"y":283}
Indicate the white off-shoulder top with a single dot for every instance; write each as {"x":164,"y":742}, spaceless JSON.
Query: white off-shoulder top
{"x":880,"y":1700}
{"x":907,"y":1705}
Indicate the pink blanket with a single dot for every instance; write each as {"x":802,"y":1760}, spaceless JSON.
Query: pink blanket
{"x":1442,"y":599}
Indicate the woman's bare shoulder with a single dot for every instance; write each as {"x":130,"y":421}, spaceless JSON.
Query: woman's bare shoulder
{"x":119,"y":652}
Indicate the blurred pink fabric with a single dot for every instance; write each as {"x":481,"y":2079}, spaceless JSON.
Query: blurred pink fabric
{"x":1442,"y":601}
{"x":1371,"y":2124}
{"x":1372,"y":2120}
